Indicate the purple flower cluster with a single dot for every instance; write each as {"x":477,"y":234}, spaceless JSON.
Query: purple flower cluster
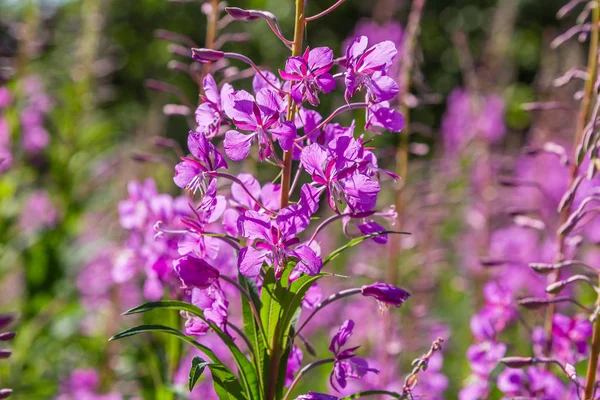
{"x":84,"y":384}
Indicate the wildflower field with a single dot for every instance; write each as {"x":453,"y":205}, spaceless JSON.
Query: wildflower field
{"x":299,"y":199}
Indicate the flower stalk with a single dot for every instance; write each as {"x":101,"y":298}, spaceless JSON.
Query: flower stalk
{"x":286,"y":176}
{"x":582,"y":118}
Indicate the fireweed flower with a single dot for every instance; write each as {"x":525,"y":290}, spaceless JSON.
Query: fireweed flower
{"x":346,"y":364}
{"x":84,"y":384}
{"x":309,"y":74}
{"x":382,"y":116}
{"x":211,"y":208}
{"x":377,"y":33}
{"x":192,"y":173}
{"x":470,"y":116}
{"x":262,"y":118}
{"x":569,"y":339}
{"x":367,"y":68}
{"x":531,"y":383}
{"x":335,"y":172}
{"x":386,"y":294}
{"x":274,"y":241}
{"x":293,"y":365}
{"x":258,"y":82}
{"x":209,"y":114}
{"x":212,"y":301}
{"x":367,"y":225}
{"x":195,"y":272}
{"x":484,"y":357}
{"x":153,"y":252}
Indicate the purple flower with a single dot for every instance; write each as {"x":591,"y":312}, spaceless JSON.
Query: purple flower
{"x":258,"y":82}
{"x":293,"y":365}
{"x":262,"y":118}
{"x":313,"y":297}
{"x":195,"y":272}
{"x":38,"y":212}
{"x":376,"y":33}
{"x":309,"y":74}
{"x":6,"y":97}
{"x":346,"y":364}
{"x":211,"y":208}
{"x":366,"y":68}
{"x":381,"y":115}
{"x":533,"y":382}
{"x":570,"y":338}
{"x":483,"y":357}
{"x":470,"y":116}
{"x":84,"y":384}
{"x":273,"y":242}
{"x":335,"y":171}
{"x":209,"y":113}
{"x":386,"y":294}
{"x":479,"y":389}
{"x":213,"y":303}
{"x":192,"y":173}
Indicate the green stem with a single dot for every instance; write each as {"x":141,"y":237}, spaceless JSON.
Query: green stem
{"x":286,"y":176}
{"x":304,"y":371}
{"x":590,"y":380}
{"x":582,"y":118}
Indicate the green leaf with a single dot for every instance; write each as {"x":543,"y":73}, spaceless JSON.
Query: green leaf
{"x":248,"y":374}
{"x":226,"y":383}
{"x":272,"y":297}
{"x":293,"y":301}
{"x":334,"y":254}
{"x":252,"y":329}
{"x":198,"y":366}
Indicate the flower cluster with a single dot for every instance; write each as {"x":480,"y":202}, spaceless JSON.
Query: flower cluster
{"x":251,"y":236}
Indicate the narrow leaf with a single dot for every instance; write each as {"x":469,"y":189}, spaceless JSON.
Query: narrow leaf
{"x":226,"y":383}
{"x":198,"y":366}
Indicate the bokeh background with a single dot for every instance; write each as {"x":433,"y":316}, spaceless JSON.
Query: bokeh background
{"x":85,"y":65}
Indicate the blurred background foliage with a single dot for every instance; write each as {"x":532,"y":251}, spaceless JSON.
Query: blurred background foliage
{"x":94,"y":57}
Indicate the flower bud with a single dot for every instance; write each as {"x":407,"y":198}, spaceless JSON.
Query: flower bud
{"x":5,"y":393}
{"x":385,"y":293}
{"x":542,"y":268}
{"x":6,"y":336}
{"x":238,"y":13}
{"x":207,"y":55}
{"x":516,"y":362}
{"x":5,"y":320}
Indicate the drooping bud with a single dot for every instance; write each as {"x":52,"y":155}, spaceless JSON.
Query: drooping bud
{"x":207,"y":55}
{"x":517,"y":362}
{"x":386,"y":293}
{"x":6,"y":336}
{"x":543,"y":268}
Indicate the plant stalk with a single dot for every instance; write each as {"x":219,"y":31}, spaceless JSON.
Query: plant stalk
{"x":590,"y":379}
{"x":286,"y":175}
{"x":211,"y":35}
{"x":391,"y":274}
{"x":582,"y":118}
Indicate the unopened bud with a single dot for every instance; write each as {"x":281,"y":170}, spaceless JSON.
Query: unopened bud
{"x":517,"y":362}
{"x":207,"y":55}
